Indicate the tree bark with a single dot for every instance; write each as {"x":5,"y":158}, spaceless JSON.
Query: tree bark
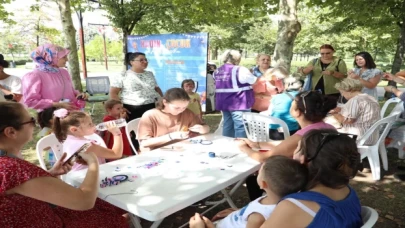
{"x":288,"y":29}
{"x":70,"y":35}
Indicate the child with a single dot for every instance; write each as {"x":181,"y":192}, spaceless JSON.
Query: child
{"x":44,"y":119}
{"x":71,"y":127}
{"x":188,"y":85}
{"x":115,"y":110}
{"x":279,"y":176}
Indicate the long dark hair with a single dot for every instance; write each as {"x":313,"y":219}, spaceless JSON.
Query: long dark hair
{"x":370,"y":64}
{"x":3,"y":62}
{"x":44,"y":118}
{"x":173,"y":94}
{"x":335,"y":163}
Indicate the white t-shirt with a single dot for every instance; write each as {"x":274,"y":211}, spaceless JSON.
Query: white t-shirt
{"x":239,"y":218}
{"x":136,"y":88}
{"x":12,"y":83}
{"x":245,"y":76}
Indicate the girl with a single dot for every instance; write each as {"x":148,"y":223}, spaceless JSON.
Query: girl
{"x":10,"y":85}
{"x":71,"y":127}
{"x":37,"y":195}
{"x":188,"y":85}
{"x":170,"y":122}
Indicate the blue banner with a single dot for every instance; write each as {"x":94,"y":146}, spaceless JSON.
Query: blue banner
{"x":175,"y":57}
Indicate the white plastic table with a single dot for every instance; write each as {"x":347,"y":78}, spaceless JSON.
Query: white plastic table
{"x":164,"y":181}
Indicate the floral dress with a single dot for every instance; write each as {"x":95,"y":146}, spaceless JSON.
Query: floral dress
{"x":21,"y":211}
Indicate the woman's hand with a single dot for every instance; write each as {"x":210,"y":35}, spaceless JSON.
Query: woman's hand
{"x":335,"y":110}
{"x":198,"y":128}
{"x":179,"y":135}
{"x":251,"y":144}
{"x":87,"y":158}
{"x":327,"y":72}
{"x":82,"y":96}
{"x":353,"y":75}
{"x":198,"y":221}
{"x":66,"y":105}
{"x":389,"y":76}
{"x":112,"y":128}
{"x":223,"y":214}
{"x":243,"y":146}
{"x":59,"y":168}
{"x":389,"y":88}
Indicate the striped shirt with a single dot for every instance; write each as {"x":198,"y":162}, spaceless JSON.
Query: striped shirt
{"x":365,"y":110}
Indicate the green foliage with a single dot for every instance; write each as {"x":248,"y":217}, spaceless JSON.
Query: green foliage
{"x":4,"y":14}
{"x":95,"y":49}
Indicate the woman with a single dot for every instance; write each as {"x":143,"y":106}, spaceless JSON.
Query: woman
{"x":169,"y":122}
{"x":366,"y":72}
{"x":233,"y":92}
{"x":309,"y":108}
{"x":263,"y":63}
{"x":280,"y":108}
{"x":271,"y":83}
{"x":332,"y":159}
{"x":10,"y":86}
{"x":50,"y":85}
{"x":138,"y":87}
{"x":359,"y":113}
{"x":326,"y":71}
{"x":39,"y":196}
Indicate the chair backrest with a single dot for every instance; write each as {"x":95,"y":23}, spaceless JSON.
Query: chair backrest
{"x":45,"y":142}
{"x":218,"y":131}
{"x":387,"y":121}
{"x":132,"y":126}
{"x":369,"y":216}
{"x":98,"y":85}
{"x":257,"y":126}
{"x":97,"y":138}
{"x":398,"y":107}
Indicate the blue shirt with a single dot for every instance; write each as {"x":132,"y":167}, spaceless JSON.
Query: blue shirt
{"x":281,"y":104}
{"x":344,"y":213}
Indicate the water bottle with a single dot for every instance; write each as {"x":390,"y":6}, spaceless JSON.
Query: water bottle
{"x":103,"y":126}
{"x":80,"y":103}
{"x":51,"y":158}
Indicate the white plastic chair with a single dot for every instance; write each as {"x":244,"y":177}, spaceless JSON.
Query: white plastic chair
{"x":369,"y":216}
{"x":372,"y":151}
{"x":132,"y":126}
{"x":398,"y":107}
{"x":220,"y":126}
{"x":45,"y":142}
{"x":97,"y":138}
{"x":257,"y":126}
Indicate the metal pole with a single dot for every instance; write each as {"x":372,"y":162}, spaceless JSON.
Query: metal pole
{"x":81,"y":37}
{"x":105,"y":50}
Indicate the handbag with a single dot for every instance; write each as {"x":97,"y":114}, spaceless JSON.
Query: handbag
{"x":308,"y":79}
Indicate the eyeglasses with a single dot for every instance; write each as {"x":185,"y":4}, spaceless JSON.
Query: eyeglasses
{"x":32,"y":121}
{"x":326,"y":53}
{"x":141,"y":60}
{"x":325,"y":137}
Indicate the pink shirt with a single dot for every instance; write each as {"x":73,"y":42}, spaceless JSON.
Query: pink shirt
{"x":72,"y":144}
{"x":317,"y":126}
{"x":41,"y":89}
{"x":264,"y":86}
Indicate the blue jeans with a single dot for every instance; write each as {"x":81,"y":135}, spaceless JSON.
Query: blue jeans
{"x":233,"y":124}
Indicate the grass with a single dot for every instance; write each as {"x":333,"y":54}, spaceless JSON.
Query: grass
{"x":387,"y":196}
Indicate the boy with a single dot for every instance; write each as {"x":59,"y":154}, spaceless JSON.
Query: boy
{"x":188,"y":85}
{"x":114,"y":109}
{"x":279,"y":176}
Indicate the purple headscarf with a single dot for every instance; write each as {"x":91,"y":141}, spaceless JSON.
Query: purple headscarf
{"x":46,"y":57}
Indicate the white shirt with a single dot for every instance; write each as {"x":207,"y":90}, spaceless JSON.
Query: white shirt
{"x":239,"y":218}
{"x":136,"y":88}
{"x":245,"y":76}
{"x":12,"y":84}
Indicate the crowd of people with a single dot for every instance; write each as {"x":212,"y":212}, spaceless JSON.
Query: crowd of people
{"x":304,"y":178}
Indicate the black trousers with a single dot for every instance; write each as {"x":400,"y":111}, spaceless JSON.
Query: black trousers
{"x":136,"y":111}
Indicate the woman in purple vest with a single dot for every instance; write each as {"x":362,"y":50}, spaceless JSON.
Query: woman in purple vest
{"x":234,"y":93}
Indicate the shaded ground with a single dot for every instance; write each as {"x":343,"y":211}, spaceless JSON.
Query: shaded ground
{"x":387,"y":196}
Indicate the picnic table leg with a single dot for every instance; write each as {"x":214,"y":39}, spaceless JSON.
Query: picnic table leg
{"x":229,"y":199}
{"x":237,"y":185}
{"x":137,"y":222}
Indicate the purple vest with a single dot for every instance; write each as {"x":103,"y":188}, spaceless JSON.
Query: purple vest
{"x":230,"y":94}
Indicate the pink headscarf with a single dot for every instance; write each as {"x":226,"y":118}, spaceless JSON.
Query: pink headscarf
{"x":47,"y":56}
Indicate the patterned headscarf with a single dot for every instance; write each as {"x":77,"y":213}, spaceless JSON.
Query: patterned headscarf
{"x":46,"y":57}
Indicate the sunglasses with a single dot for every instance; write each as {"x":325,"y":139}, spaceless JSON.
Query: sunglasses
{"x":304,"y":94}
{"x":326,"y":53}
{"x":326,"y":137}
{"x":32,"y":121}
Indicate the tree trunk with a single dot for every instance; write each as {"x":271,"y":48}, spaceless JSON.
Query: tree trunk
{"x":399,"y":55}
{"x":125,"y":45}
{"x":288,"y":29}
{"x":70,"y":35}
